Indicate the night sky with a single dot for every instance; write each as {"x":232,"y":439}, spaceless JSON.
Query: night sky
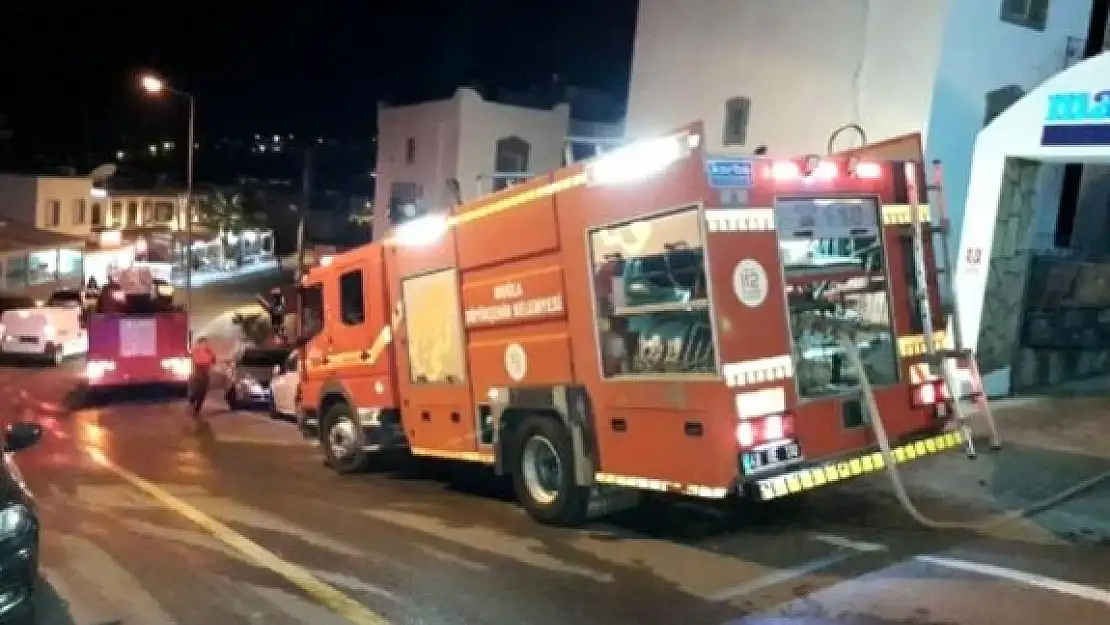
{"x":312,"y":66}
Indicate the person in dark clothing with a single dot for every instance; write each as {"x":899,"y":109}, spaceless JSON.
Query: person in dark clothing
{"x":203,"y":360}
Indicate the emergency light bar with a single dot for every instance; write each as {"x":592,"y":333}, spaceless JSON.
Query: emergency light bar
{"x":641,"y":160}
{"x":818,"y":169}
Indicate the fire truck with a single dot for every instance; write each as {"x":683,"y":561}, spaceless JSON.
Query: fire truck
{"x":137,"y":336}
{"x":656,"y":319}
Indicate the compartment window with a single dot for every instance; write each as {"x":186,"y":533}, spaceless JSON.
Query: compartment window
{"x":436,"y":347}
{"x":312,"y":310}
{"x":835,"y":271}
{"x":652,"y":297}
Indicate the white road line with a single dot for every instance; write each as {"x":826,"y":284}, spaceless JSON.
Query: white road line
{"x":782,"y":576}
{"x":1090,"y":593}
{"x":847,"y":543}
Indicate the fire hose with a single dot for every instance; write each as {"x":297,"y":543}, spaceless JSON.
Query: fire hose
{"x":848,"y":343}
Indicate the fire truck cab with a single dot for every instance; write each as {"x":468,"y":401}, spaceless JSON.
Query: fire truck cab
{"x":655,"y":319}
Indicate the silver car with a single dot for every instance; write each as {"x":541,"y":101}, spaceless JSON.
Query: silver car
{"x":249,"y":386}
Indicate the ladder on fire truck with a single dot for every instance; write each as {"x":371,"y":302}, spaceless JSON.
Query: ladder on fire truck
{"x":946,"y":359}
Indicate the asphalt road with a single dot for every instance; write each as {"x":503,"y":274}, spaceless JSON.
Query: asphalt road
{"x":148,"y":521}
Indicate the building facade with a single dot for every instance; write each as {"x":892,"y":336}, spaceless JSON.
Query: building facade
{"x":785,"y":75}
{"x":433,"y":154}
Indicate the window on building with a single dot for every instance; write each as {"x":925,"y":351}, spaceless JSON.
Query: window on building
{"x":15,"y":273}
{"x":53,"y":213}
{"x":42,"y":267}
{"x":737,"y":112}
{"x":410,"y":150}
{"x":70,"y":265}
{"x":117,"y":214}
{"x":78,"y":212}
{"x":163,"y":211}
{"x":351,"y":301}
{"x":97,"y":217}
{"x":998,"y":100}
{"x":510,"y":156}
{"x":132,"y":213}
{"x":403,"y":201}
{"x":1028,"y":13}
{"x":148,"y":212}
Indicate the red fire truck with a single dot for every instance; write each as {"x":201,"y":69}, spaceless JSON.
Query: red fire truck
{"x":657,"y":319}
{"x":137,"y":336}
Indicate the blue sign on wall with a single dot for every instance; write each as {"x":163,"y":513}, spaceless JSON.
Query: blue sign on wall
{"x":1080,"y":118}
{"x":729,"y":173}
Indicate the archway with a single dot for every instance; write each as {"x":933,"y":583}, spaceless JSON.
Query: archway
{"x":1064,"y":120}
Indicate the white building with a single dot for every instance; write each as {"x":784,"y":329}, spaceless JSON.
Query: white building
{"x":465,"y":139}
{"x":56,"y":203}
{"x":786,"y":73}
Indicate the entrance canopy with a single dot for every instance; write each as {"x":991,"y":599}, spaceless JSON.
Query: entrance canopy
{"x":1064,"y":120}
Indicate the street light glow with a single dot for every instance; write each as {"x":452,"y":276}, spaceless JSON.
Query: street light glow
{"x":153,"y":84}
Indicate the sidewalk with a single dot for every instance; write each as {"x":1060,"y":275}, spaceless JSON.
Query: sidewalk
{"x":1051,"y":443}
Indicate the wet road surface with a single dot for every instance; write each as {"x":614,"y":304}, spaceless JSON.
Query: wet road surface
{"x":148,"y":521}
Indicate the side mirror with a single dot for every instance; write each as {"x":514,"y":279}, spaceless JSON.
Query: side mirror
{"x":277,"y":370}
{"x":21,"y":435}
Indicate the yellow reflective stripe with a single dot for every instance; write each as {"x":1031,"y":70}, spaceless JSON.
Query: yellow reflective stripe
{"x":821,"y":475}
{"x":899,"y":214}
{"x":911,"y":346}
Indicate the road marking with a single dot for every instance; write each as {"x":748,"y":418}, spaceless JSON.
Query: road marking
{"x":1081,"y":591}
{"x":333,"y":599}
{"x":847,"y":543}
{"x":783,"y":575}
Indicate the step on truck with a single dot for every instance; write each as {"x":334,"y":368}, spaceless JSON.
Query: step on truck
{"x":657,"y":319}
{"x":138,"y":337}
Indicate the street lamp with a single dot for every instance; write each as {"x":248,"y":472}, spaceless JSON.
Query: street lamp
{"x":154,"y":85}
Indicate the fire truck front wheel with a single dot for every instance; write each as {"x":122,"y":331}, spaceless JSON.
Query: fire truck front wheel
{"x":341,"y":441}
{"x":543,"y":473}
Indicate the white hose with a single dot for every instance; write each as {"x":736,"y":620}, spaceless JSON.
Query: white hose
{"x":903,"y":497}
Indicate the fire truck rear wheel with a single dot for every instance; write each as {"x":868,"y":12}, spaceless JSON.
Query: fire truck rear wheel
{"x":341,"y":442}
{"x":543,"y":473}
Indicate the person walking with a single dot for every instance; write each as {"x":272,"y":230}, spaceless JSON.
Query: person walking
{"x":203,"y":359}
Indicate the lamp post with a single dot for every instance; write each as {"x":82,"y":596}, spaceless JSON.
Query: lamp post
{"x":155,"y":85}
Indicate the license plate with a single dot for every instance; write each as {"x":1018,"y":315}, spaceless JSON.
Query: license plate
{"x":772,"y":456}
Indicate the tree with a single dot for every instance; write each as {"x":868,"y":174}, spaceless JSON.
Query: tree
{"x":227,"y":213}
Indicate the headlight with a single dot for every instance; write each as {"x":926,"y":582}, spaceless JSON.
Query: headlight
{"x":14,"y":520}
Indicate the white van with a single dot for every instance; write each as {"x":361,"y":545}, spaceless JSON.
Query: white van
{"x":52,"y":332}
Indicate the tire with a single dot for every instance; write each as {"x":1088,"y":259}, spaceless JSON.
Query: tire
{"x":232,"y":400}
{"x":548,"y":493}
{"x":340,"y":440}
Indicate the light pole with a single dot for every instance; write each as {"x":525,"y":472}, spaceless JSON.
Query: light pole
{"x":155,"y":85}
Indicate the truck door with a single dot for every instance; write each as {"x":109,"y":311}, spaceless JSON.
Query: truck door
{"x":355,"y":346}
{"x":314,"y":326}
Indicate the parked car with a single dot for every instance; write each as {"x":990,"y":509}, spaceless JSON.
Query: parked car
{"x":285,"y":383}
{"x":14,"y":301}
{"x":19,"y":529}
{"x":53,"y":333}
{"x":249,"y":386}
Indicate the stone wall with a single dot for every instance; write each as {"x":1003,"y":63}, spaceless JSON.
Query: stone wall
{"x":1003,"y":302}
{"x":1065,"y":334}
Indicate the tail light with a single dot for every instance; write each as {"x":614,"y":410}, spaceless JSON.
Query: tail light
{"x":928,"y":394}
{"x":760,"y":430}
{"x":95,"y":369}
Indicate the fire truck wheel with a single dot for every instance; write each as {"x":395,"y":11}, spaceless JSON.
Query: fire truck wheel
{"x":341,"y":442}
{"x":543,"y":473}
